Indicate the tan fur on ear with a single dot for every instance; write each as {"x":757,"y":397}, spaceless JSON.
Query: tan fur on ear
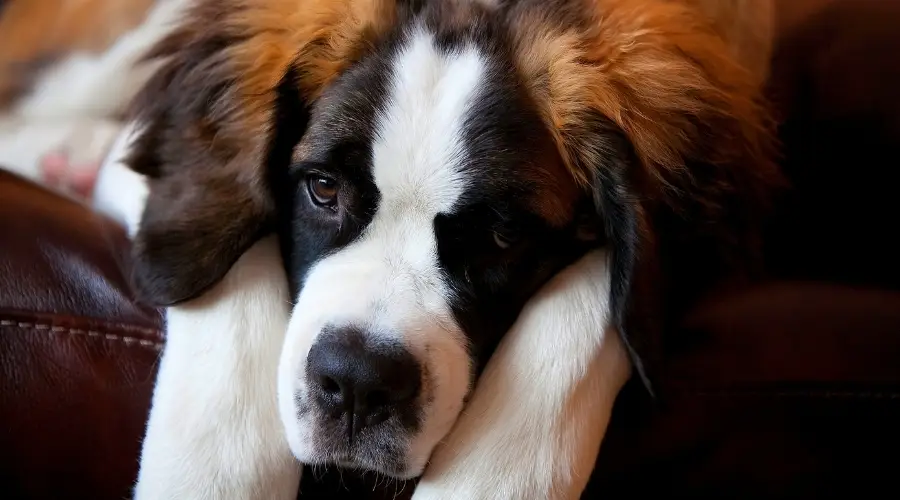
{"x":320,"y":37}
{"x":660,"y":70}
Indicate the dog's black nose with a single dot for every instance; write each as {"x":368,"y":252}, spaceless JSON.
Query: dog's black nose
{"x":351,"y":377}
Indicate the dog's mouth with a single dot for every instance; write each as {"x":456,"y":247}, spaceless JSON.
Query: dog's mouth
{"x":354,"y":466}
{"x":374,"y":443}
{"x":383,"y":453}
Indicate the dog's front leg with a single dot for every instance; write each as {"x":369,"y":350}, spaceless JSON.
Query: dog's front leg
{"x":214,"y":430}
{"x":533,"y":427}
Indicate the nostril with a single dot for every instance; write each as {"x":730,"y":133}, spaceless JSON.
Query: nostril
{"x":377,"y":399}
{"x":329,"y":386}
{"x":406,"y":391}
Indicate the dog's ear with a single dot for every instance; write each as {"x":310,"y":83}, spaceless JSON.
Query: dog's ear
{"x":217,"y":120}
{"x":652,"y":113}
{"x":621,"y":213}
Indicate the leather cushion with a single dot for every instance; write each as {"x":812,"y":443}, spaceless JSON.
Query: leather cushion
{"x":77,"y":356}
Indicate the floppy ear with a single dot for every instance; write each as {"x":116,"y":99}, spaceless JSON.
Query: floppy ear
{"x":208,"y":196}
{"x":654,"y":115}
{"x":216,"y":123}
{"x":636,"y":282}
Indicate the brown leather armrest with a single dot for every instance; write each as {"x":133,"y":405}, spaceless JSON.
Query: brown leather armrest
{"x":788,"y":390}
{"x":77,"y":356}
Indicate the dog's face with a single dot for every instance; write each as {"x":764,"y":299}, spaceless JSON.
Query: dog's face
{"x":429,"y":165}
{"x":430,"y":203}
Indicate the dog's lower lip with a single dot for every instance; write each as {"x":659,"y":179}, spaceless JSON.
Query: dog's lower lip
{"x":347,"y":462}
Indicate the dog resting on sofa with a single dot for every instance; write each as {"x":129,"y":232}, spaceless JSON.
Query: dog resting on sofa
{"x":488,"y":212}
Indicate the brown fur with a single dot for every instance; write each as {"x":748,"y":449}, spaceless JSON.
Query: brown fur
{"x":557,"y":192}
{"x":321,"y":37}
{"x":661,"y":73}
{"x":34,"y":32}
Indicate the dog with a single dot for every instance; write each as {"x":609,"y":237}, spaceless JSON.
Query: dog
{"x":489,"y":212}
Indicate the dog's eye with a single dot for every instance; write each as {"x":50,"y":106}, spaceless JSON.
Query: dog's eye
{"x":322,"y":190}
{"x":504,"y":241}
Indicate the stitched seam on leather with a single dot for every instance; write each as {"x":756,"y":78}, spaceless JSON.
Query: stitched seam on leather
{"x":41,"y":318}
{"x":44,"y":327}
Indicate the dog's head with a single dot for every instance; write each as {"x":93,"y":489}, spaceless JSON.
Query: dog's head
{"x":429,"y":165}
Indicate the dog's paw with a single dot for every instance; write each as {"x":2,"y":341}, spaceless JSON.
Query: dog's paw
{"x":487,"y":459}
{"x":533,"y":427}
{"x":477,"y":479}
{"x":72,"y":166}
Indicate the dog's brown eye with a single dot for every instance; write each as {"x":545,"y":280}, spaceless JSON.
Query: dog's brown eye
{"x":324,"y":191}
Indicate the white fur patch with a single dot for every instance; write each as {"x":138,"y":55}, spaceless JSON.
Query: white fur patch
{"x":121,"y":193}
{"x":539,"y":412}
{"x":388,"y":282}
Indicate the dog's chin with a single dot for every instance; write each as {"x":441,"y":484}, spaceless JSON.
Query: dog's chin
{"x":403,"y":474}
{"x":364,"y":456}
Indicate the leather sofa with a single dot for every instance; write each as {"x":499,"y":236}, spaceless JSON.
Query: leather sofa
{"x":789,"y":389}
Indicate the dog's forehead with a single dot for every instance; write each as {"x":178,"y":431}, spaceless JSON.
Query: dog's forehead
{"x":419,"y":147}
{"x":446,"y":112}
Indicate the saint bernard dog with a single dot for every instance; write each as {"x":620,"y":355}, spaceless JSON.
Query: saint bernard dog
{"x":488,"y":211}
